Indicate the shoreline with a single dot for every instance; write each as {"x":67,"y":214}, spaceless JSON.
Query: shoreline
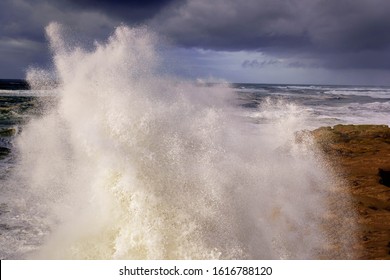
{"x":360,"y":154}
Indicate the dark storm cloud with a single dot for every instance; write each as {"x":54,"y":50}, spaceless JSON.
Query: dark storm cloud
{"x":22,"y":23}
{"x":336,"y":33}
{"x":22,"y":35}
{"x":133,"y":11}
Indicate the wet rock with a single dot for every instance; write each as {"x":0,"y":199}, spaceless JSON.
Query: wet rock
{"x":4,"y":151}
{"x":7,"y":132}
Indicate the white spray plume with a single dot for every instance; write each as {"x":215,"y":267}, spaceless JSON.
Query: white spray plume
{"x":134,"y":164}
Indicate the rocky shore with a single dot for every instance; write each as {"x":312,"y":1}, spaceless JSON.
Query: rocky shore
{"x":360,"y":154}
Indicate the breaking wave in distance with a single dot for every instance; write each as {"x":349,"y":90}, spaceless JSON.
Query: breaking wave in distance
{"x":132,"y":163}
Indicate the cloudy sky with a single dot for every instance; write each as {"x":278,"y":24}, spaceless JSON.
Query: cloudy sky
{"x":264,"y":41}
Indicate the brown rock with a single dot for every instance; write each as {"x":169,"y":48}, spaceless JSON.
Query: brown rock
{"x":361,"y":155}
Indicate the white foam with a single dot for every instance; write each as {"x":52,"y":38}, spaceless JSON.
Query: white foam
{"x":383,"y":93}
{"x":134,"y":164}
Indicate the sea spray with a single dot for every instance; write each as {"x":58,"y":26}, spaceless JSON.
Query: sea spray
{"x":131,"y":163}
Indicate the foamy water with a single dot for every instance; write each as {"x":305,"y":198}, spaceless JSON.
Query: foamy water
{"x":131,"y":163}
{"x":322,"y":105}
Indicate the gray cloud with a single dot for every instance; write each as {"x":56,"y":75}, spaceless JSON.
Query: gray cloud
{"x":129,"y":11}
{"x":259,"y":64}
{"x":340,"y":34}
{"x":22,"y":37}
{"x":22,"y":24}
{"x":333,"y":34}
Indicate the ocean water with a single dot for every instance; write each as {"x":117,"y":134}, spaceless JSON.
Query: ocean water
{"x":119,"y":160}
{"x":321,"y":105}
